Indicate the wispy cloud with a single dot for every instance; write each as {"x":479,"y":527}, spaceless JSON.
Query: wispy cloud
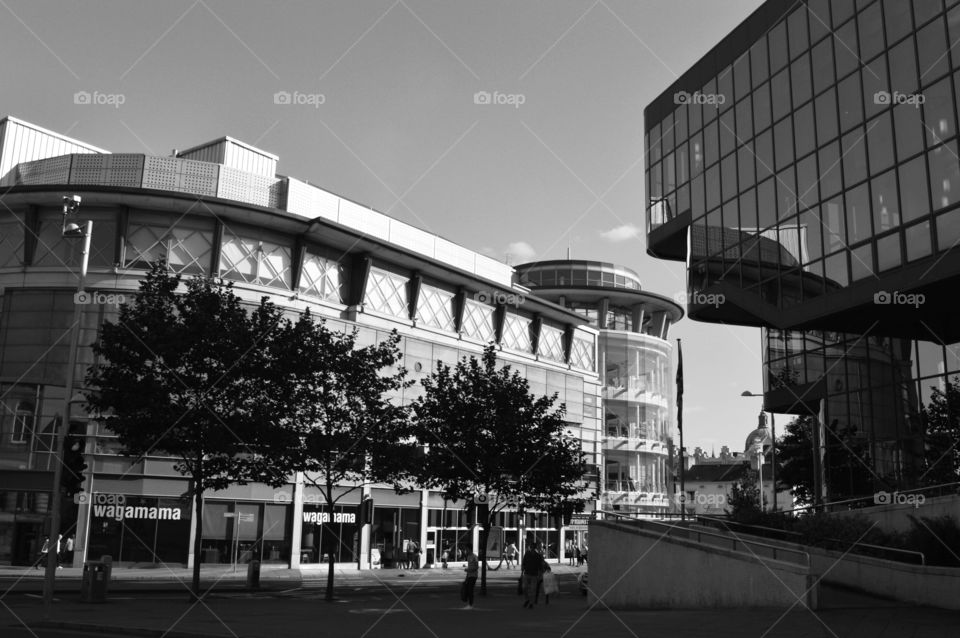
{"x":621,"y":233}
{"x":518,"y":252}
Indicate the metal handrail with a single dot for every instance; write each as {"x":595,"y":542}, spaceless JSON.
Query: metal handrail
{"x":687,"y":531}
{"x":915,"y":557}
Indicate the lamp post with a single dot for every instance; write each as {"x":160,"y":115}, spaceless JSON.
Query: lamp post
{"x":773,"y":454}
{"x":69,"y":230}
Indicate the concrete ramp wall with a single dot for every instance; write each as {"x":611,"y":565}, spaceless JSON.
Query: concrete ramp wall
{"x":634,"y":568}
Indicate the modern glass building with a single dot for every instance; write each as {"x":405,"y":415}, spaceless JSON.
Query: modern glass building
{"x":220,"y":209}
{"x":806,"y":170}
{"x":636,"y":375}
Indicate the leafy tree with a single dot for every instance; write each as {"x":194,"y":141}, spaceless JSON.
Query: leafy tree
{"x":193,"y":376}
{"x":342,"y":428}
{"x":743,"y":503}
{"x":847,"y":462}
{"x":487,"y":435}
{"x":941,"y":419}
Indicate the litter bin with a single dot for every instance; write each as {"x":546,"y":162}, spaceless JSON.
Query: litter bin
{"x":253,"y":574}
{"x":93,"y":586}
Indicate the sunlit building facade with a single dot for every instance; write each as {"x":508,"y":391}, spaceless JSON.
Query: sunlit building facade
{"x":220,"y":209}
{"x":636,"y":373}
{"x":806,"y":170}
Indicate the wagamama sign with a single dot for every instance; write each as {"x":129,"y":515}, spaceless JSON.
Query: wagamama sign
{"x":115,"y":506}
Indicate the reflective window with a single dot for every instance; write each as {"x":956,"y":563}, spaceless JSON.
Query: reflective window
{"x":783,"y":143}
{"x":725,"y":87}
{"x":822,"y":56}
{"x":848,"y":92}
{"x":826,"y":110}
{"x":797,"y":27}
{"x":875,"y":88}
{"x":913,"y":188}
{"x":786,"y":194}
{"x":709,"y":113}
{"x":767,"y":203}
{"x":918,"y":241}
{"x":761,"y":108}
{"x":807,"y":178}
{"x":953,"y":31}
{"x":780,"y":94}
{"x":854,"y":153}
{"x":948,"y":230}
{"x":834,"y":224}
{"x":944,"y":175}
{"x":923,"y":11}
{"x":713,"y":187}
{"x":11,"y":241}
{"x":697,"y":204}
{"x":888,"y":252}
{"x":908,"y":129}
{"x":696,"y":154}
{"x":845,"y":49}
{"x":748,"y":209}
{"x":741,"y":76}
{"x":758,"y":61}
{"x":880,"y":143}
{"x":800,"y":78}
{"x":830,"y":182}
{"x":897,"y":19}
{"x":819,"y":18}
{"x":745,"y":166}
{"x":728,"y":173}
{"x":811,"y":236}
{"x":858,"y":214}
{"x":654,"y":142}
{"x":903,"y":67}
{"x":933,"y":50}
{"x":764,"y":150}
{"x":842,"y":10}
{"x":744,"y":120}
{"x":711,"y":144}
{"x":871,"y":32}
{"x":777,"y":41}
{"x":322,"y":277}
{"x":386,"y":292}
{"x":728,"y":137}
{"x":938,"y":112}
{"x":804,"y":130}
{"x":886,"y":212}
{"x":861,"y":262}
{"x":836,"y":270}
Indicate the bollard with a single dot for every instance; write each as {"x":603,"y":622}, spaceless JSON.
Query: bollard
{"x":253,"y":574}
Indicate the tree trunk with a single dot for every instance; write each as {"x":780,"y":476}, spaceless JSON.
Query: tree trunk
{"x":197,"y":485}
{"x":329,"y":596}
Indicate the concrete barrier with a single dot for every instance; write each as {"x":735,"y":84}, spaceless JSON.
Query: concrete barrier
{"x":636,"y":568}
{"x":918,"y":584}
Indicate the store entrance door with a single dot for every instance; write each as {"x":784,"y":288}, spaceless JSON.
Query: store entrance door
{"x":430,"y":549}
{"x":26,"y":543}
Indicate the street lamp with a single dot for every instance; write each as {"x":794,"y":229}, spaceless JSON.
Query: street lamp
{"x":70,"y":230}
{"x":773,"y":454}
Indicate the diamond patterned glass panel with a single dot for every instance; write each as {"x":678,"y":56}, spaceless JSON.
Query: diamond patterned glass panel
{"x":184,"y":249}
{"x":478,"y":321}
{"x":551,"y":343}
{"x":516,"y":333}
{"x":435,"y":307}
{"x":386,"y":293}
{"x":322,"y":278}
{"x":53,"y":249}
{"x":581,"y":354}
{"x":255,"y":261}
{"x":11,"y":244}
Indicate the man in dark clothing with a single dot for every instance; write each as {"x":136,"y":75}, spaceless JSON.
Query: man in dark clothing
{"x":530,"y":567}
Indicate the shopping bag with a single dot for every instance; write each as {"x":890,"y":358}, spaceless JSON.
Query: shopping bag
{"x":550,"y":585}
{"x":463,"y":591}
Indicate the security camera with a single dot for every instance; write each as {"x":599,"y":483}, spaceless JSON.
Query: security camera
{"x":74,"y":199}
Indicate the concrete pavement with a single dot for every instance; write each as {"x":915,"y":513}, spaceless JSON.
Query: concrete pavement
{"x":391,"y":603}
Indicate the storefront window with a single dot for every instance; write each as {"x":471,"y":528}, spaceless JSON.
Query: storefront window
{"x":325,"y":537}
{"x":139,"y":529}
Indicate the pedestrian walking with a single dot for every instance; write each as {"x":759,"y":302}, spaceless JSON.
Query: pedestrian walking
{"x":445,"y":555}
{"x":543,"y":570}
{"x":473,"y":569}
{"x":510,"y":553}
{"x":568,"y":549}
{"x":530,"y":566}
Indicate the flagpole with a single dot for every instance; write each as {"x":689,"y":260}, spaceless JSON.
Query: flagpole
{"x":683,"y":460}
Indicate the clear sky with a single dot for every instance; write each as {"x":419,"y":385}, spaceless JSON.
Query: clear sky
{"x":383,"y":110}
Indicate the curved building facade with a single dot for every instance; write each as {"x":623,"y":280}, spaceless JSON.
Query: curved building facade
{"x":221,"y":210}
{"x":636,"y":374}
